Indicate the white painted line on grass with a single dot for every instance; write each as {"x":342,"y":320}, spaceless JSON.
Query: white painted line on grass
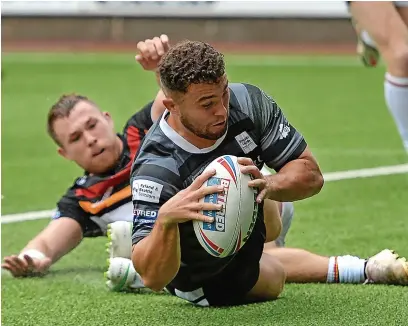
{"x":330,"y":176}
{"x":366,"y":173}
{"x":12,"y":218}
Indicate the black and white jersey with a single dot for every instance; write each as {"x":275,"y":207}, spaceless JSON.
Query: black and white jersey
{"x":167,"y":163}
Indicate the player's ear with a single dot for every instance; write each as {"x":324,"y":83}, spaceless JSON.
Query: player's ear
{"x":63,"y":153}
{"x":170,"y":105}
{"x":108,"y":117}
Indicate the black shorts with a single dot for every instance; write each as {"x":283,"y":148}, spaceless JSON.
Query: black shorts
{"x":91,"y":230}
{"x":231,"y":286}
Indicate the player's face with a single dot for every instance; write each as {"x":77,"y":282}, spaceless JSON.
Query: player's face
{"x":204,"y":109}
{"x":88,"y":138}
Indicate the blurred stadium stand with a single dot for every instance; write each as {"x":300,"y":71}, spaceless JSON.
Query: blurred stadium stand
{"x":289,"y":23}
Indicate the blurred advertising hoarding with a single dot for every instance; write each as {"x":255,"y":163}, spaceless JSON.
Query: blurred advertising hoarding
{"x":191,"y":9}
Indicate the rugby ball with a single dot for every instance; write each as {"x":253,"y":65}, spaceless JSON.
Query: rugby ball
{"x":232,"y":225}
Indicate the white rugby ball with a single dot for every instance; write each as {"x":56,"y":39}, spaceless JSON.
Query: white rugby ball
{"x":234,"y":223}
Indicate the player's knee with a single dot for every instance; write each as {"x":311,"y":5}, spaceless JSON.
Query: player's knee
{"x":275,"y":286}
{"x":274,"y":276}
{"x":400,"y":60}
{"x":396,"y":55}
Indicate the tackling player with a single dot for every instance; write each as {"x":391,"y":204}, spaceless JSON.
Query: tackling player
{"x":85,"y":135}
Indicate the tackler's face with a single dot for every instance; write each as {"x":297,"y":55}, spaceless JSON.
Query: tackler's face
{"x":204,"y":109}
{"x":88,"y":138}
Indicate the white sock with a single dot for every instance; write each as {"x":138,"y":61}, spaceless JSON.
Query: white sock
{"x":346,"y":269}
{"x":396,"y":96}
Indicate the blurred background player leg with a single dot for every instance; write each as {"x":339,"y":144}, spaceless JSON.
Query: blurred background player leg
{"x":383,"y":26}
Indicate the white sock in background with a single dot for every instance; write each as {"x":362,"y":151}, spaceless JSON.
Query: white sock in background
{"x":396,"y":97}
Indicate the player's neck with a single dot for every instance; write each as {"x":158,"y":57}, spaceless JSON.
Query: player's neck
{"x":193,"y":139}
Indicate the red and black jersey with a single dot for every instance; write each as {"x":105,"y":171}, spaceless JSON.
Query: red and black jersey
{"x":96,"y":200}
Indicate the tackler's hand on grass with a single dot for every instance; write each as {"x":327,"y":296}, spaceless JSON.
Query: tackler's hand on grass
{"x":24,"y":265}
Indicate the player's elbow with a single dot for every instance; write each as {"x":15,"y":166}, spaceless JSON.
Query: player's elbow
{"x":153,"y":276}
{"x":153,"y":284}
{"x":156,"y":282}
{"x":314,"y":179}
{"x":149,"y":279}
{"x":157,"y":278}
{"x":318,"y":182}
{"x":313,"y":175}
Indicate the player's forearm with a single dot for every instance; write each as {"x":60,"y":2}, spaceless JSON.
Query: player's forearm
{"x":57,"y":239}
{"x":298,"y":179}
{"x":50,"y":248}
{"x":40,"y":245}
{"x":157,"y":257}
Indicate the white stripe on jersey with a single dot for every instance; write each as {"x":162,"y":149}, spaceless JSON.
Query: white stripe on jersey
{"x":122,"y":213}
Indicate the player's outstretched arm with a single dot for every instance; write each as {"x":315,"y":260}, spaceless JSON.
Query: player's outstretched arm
{"x":56,"y":240}
{"x":157,"y":257}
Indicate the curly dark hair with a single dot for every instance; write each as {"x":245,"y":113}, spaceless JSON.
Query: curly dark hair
{"x":190,"y":62}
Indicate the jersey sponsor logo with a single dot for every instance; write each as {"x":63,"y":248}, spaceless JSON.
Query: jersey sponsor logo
{"x":144,"y":216}
{"x":146,"y":190}
{"x":141,"y":213}
{"x":143,"y":221}
{"x":284,"y":131}
{"x":81,"y":181}
{"x":245,"y":141}
{"x":217,"y":198}
{"x":227,"y":163}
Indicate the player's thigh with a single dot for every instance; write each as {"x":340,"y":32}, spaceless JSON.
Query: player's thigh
{"x":383,"y":23}
{"x":272,"y":219}
{"x":271,"y":280}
